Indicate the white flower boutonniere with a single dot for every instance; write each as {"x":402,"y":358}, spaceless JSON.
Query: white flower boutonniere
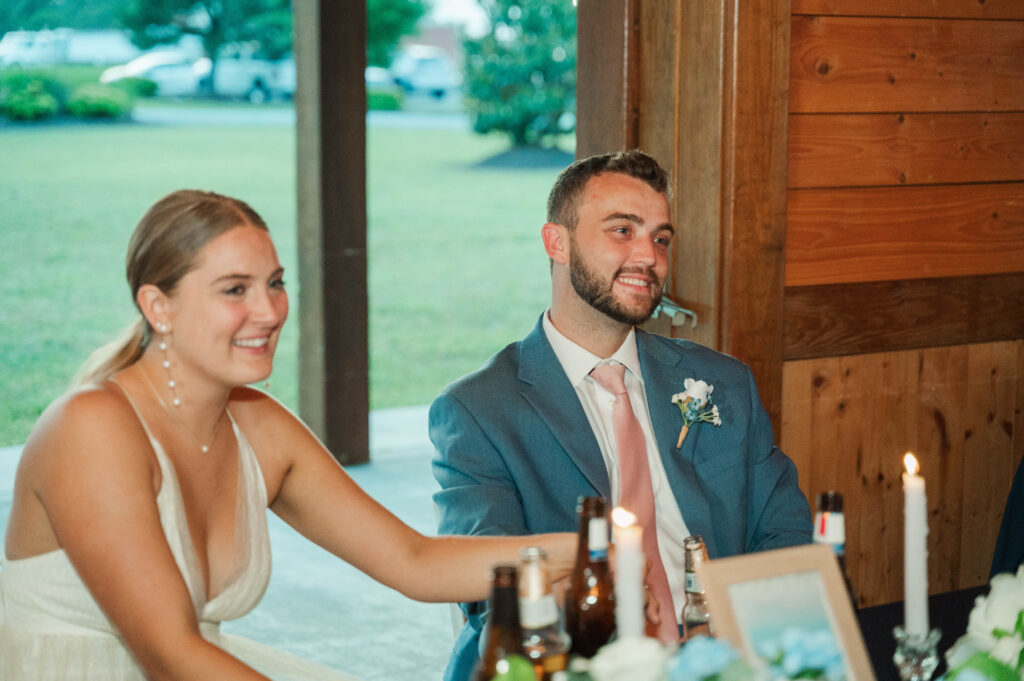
{"x":696,"y":406}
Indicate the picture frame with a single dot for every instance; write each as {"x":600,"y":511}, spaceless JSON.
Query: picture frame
{"x":755,"y":598}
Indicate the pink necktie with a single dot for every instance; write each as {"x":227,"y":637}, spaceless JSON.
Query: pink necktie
{"x":635,"y":492}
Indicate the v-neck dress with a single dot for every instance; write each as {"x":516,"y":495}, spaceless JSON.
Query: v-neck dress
{"x":51,"y":629}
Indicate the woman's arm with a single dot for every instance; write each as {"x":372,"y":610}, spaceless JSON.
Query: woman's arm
{"x":312,"y":493}
{"x":90,"y":468}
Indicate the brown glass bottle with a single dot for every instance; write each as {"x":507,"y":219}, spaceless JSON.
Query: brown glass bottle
{"x":590,"y":602}
{"x":503,"y":650}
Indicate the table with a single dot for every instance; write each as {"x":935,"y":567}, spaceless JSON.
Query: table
{"x":948,"y":612}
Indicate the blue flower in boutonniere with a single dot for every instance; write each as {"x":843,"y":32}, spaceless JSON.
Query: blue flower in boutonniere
{"x":696,"y":406}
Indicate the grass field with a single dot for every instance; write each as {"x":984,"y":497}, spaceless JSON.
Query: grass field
{"x":456,"y":265}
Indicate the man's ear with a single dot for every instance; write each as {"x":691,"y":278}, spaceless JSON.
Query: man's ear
{"x":556,"y":241}
{"x":154,"y":305}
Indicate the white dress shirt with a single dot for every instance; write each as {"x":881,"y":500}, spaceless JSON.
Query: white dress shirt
{"x":597,"y":402}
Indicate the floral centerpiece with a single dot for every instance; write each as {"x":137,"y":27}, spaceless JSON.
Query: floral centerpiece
{"x":794,"y":654}
{"x":993,"y":647}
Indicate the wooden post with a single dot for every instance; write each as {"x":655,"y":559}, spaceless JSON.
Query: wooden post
{"x":330,"y":104}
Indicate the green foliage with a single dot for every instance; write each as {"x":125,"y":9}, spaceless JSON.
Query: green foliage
{"x":265,"y":25}
{"x":96,"y":100}
{"x":387,"y":22}
{"x":521,"y":78}
{"x":136,"y":87}
{"x":378,"y":99}
{"x":28,"y":97}
{"x":33,"y":15}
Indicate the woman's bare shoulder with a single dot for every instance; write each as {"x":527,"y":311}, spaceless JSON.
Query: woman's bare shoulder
{"x":94,"y":418}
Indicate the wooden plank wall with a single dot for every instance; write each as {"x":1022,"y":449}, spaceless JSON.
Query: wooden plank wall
{"x":904,"y":298}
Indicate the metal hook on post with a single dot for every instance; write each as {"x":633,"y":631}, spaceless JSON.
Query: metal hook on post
{"x":676,"y":312}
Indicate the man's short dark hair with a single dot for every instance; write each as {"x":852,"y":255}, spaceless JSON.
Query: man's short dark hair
{"x":564,"y":199}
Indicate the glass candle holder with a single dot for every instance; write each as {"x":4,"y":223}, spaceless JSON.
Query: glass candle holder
{"x":916,"y":656}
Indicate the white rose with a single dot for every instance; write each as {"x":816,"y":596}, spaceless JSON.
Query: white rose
{"x":998,"y":610}
{"x":697,"y":390}
{"x":1007,"y":650}
{"x":634,"y":658}
{"x":966,"y":646}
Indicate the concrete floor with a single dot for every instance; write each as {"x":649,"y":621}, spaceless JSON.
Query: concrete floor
{"x":321,"y":608}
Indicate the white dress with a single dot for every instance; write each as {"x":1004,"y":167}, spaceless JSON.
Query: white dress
{"x":51,"y":629}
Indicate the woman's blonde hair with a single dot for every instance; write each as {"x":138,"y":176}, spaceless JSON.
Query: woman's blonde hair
{"x":164,"y":248}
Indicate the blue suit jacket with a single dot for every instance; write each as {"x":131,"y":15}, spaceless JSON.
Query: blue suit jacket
{"x":514,"y":451}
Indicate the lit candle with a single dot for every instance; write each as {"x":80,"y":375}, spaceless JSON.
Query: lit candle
{"x":915,"y":550}
{"x":629,"y":574}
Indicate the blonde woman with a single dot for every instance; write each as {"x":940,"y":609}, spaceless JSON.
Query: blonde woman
{"x":138,"y":519}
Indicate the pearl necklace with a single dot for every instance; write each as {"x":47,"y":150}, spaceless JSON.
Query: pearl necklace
{"x":216,"y":429}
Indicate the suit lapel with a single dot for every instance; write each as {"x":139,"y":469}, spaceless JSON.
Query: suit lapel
{"x":546,"y":387}
{"x":664,"y":368}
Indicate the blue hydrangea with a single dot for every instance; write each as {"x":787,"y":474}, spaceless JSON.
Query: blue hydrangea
{"x":804,"y":653}
{"x":700,"y":658}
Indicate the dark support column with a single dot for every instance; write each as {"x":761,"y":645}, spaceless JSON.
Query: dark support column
{"x":605,"y":100}
{"x":755,"y":108}
{"x":330,"y":104}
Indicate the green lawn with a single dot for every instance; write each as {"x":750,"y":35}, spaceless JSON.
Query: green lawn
{"x":456,"y":265}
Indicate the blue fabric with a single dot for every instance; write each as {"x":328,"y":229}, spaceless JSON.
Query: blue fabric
{"x":1009,"y":552}
{"x":514,"y":451}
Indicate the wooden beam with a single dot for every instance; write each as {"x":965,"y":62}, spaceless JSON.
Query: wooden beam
{"x":755,"y":105}
{"x":860,"y":150}
{"x":878,"y":234}
{"x":846,"y":319}
{"x":934,"y":9}
{"x":605,"y":117}
{"x":330,"y":103}
{"x":870,"y":64}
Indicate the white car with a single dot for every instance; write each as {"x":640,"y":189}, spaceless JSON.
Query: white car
{"x":425,"y":69}
{"x":177,"y":74}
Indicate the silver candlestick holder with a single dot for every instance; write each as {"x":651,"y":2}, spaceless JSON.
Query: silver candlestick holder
{"x":916,"y":655}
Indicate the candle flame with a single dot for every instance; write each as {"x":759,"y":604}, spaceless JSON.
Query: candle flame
{"x":622,"y":517}
{"x":910,"y":462}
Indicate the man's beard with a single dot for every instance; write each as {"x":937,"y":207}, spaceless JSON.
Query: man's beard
{"x":598,"y":294}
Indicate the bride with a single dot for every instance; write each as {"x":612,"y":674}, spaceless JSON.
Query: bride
{"x":138,"y":520}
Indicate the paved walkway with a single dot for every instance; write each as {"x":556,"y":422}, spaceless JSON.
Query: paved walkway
{"x":325,"y":610}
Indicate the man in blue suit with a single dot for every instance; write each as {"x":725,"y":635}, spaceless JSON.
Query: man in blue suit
{"x":520,"y":439}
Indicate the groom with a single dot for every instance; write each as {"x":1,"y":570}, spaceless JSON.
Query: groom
{"x":520,"y":439}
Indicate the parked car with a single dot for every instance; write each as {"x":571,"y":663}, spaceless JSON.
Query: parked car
{"x":177,"y":74}
{"x":65,"y":46}
{"x":425,"y":69}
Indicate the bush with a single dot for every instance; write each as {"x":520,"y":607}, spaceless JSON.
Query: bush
{"x":96,"y":100}
{"x":136,"y":87}
{"x":28,"y":98}
{"x":383,"y":100}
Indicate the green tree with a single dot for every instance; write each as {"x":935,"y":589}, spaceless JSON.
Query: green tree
{"x":521,"y":77}
{"x":34,"y":15}
{"x":265,"y":25}
{"x":387,"y":22}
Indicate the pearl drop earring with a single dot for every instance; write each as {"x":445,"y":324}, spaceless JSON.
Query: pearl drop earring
{"x":175,"y":400}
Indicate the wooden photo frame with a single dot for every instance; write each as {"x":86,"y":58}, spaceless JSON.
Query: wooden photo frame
{"x":758,"y":596}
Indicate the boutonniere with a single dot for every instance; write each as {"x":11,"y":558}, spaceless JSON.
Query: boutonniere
{"x":696,"y":406}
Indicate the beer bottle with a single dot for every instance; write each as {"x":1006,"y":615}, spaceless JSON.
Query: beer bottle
{"x":545,"y":644}
{"x":590,"y":603}
{"x":830,"y":529}
{"x":696,"y":616}
{"x":503,"y":656}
